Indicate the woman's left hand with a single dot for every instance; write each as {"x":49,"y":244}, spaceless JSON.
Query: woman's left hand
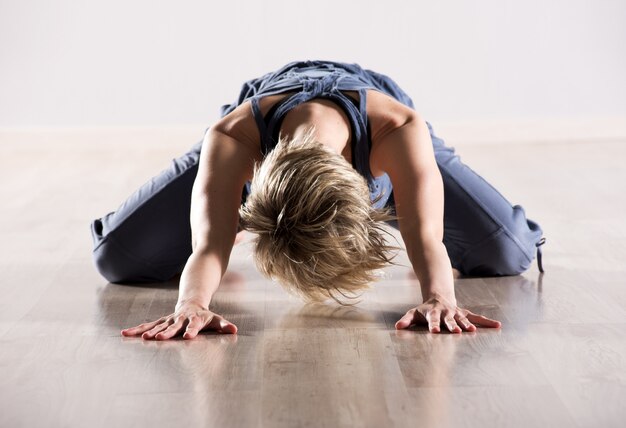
{"x":436,"y":311}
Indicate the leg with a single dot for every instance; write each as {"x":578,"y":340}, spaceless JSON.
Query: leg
{"x":148,"y":238}
{"x":484,"y":234}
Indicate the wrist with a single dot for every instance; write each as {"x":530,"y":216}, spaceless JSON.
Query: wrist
{"x":433,"y":268}
{"x":199,"y":281}
{"x":194,"y":301}
{"x":439,"y":296}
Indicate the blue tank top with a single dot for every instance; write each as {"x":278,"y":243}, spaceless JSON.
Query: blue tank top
{"x":327,"y":80}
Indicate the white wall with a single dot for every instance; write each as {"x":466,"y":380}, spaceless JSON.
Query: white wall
{"x":152,"y":62}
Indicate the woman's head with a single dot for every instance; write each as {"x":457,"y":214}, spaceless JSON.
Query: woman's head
{"x":317,"y":233}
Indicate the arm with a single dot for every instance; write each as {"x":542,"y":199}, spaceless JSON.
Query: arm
{"x":225,"y":164}
{"x":405,"y":152}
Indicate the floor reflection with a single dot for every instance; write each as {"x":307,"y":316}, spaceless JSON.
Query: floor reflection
{"x":292,"y":358}
{"x":428,"y":361}
{"x":520,"y":300}
{"x":117,"y":304}
{"x":321,"y":315}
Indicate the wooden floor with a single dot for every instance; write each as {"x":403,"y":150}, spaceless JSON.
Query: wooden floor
{"x":558,"y":361}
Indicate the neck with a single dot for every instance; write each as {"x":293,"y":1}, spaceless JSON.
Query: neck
{"x":330,"y":140}
{"x":331,"y":125}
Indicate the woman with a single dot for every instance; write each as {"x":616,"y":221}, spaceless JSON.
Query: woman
{"x":324,"y":152}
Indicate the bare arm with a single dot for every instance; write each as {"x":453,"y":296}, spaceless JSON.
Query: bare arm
{"x":405,"y":152}
{"x":225,"y":164}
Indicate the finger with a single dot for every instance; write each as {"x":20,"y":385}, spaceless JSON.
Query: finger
{"x":221,"y":325}
{"x":452,"y":325}
{"x":196,"y":324}
{"x":134,"y":331}
{"x":406,"y":320}
{"x":464,"y":323}
{"x":154,"y":331}
{"x":172,"y":329}
{"x":483,"y":321}
{"x":434,"y":321}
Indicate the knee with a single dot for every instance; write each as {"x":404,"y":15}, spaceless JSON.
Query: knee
{"x":117,"y":265}
{"x":502,"y":254}
{"x":509,"y":251}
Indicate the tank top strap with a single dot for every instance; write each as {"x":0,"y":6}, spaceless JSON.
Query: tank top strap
{"x":285,"y":106}
{"x":260,"y":123}
{"x":360,"y":139}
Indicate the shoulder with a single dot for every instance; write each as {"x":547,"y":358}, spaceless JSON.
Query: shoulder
{"x":240,"y":123}
{"x":386,"y":116}
{"x":385,"y":113}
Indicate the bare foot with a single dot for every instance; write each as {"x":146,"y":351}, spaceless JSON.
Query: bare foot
{"x":456,"y":273}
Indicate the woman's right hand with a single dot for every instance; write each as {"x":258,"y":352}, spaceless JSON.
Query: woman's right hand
{"x":188,"y":320}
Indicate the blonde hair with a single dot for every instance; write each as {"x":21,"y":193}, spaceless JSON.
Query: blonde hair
{"x":317,"y":232}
